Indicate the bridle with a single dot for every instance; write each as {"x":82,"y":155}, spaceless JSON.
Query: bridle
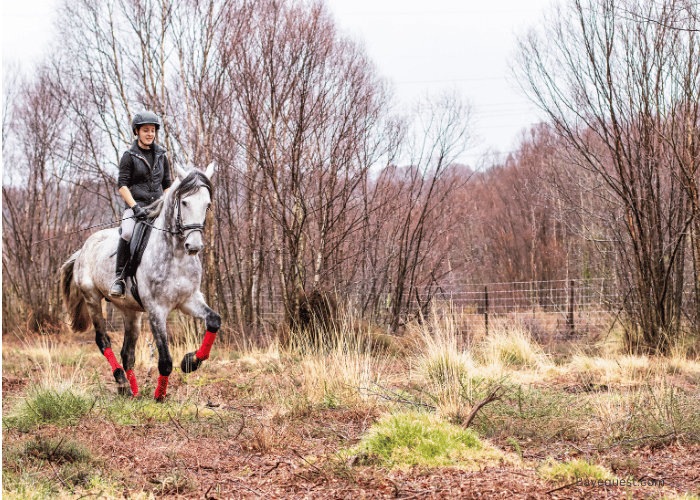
{"x":186,"y":230}
{"x":180,"y":229}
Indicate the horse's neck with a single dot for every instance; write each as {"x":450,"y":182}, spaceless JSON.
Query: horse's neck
{"x":164,"y":238}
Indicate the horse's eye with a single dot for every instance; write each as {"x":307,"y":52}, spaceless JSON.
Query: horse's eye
{"x":184,"y":203}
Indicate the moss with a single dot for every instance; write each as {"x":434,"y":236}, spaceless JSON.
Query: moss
{"x":422,"y":439}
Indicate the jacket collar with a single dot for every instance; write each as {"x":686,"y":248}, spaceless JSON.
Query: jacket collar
{"x":136,"y":150}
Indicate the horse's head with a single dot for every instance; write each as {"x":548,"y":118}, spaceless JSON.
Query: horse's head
{"x":192,"y":198}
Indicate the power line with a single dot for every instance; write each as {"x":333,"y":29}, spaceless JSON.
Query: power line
{"x":456,"y":80}
{"x":435,"y":13}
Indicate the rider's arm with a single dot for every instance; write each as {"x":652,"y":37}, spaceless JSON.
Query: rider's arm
{"x":126,"y":166}
{"x":126,"y":194}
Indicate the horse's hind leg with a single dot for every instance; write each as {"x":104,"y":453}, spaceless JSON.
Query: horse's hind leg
{"x":104,"y":343}
{"x":199,"y":309}
{"x":132,"y":329}
{"x":165,"y":361}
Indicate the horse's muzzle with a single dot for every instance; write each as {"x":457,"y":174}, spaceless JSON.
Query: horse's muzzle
{"x":194,"y":243}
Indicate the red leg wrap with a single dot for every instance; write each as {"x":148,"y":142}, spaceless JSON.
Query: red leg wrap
{"x":162,"y":386}
{"x":131,"y":376}
{"x":208,"y":341}
{"x":112,"y":360}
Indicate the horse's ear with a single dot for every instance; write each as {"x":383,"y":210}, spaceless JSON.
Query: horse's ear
{"x":181,"y":172}
{"x":210,"y":170}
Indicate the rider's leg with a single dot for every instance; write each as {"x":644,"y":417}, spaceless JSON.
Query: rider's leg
{"x":118,"y":288}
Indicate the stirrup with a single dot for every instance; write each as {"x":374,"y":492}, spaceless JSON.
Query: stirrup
{"x":118,"y":288}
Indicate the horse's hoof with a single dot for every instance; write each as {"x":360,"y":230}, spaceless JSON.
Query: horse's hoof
{"x":123,"y":386}
{"x":190,"y":363}
{"x":125,"y":391}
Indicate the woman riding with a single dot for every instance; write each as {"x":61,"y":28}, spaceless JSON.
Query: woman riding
{"x":144,"y":175}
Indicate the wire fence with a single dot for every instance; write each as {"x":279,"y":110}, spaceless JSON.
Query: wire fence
{"x":545,"y":308}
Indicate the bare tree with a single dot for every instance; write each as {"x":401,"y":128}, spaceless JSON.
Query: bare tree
{"x":310,"y":102}
{"x":441,"y":133}
{"x":39,"y":201}
{"x":606,"y":82}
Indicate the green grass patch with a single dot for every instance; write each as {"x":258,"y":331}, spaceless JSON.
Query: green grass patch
{"x":128,"y":411}
{"x":415,"y":438}
{"x":63,"y":405}
{"x":566,"y":472}
{"x":18,"y":486}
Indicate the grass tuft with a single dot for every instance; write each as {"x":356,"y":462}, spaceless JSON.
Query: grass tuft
{"x":567,"y":472}
{"x":513,"y":346}
{"x":62,"y":405}
{"x":413,"y":438}
{"x":55,"y":451}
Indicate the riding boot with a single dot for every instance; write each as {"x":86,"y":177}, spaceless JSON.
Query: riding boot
{"x":118,"y":288}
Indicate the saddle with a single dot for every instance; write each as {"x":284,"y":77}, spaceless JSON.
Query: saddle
{"x":137,"y":245}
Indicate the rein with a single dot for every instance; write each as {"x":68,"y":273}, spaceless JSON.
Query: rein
{"x":80,"y":230}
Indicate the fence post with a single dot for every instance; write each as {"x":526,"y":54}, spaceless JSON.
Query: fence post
{"x":570,"y":319}
{"x":486,"y":308}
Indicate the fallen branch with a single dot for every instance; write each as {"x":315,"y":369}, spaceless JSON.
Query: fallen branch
{"x":560,"y":488}
{"x":574,"y":446}
{"x":495,"y":395}
{"x":651,"y":436}
{"x":179,"y":427}
{"x":396,"y":398}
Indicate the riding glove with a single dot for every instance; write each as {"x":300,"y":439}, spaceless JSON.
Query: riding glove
{"x":139,"y":213}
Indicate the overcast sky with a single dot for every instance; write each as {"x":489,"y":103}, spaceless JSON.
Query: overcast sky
{"x":421,"y":46}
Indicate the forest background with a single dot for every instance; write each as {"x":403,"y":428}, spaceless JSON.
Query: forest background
{"x":323,"y":184}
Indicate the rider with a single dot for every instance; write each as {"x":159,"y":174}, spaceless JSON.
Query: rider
{"x":144,"y":175}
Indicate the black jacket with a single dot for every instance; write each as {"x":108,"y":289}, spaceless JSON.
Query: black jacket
{"x":145,"y":182}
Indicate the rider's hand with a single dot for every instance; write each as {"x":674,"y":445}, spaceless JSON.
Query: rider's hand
{"x":139,"y":213}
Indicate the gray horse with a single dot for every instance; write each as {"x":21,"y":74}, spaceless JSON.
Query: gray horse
{"x":168,"y":278}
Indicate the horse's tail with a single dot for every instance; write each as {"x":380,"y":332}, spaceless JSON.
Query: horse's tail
{"x":73,"y":299}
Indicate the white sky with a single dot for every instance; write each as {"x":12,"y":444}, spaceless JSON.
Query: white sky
{"x":420,"y":45}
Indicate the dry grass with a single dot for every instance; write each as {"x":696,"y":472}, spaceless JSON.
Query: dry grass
{"x":339,"y":372}
{"x":510,"y":345}
{"x":322,"y":401}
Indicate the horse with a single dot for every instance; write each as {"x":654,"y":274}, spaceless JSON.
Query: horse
{"x":168,"y":278}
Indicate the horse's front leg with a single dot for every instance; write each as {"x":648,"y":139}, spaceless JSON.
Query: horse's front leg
{"x":198,"y":308}
{"x":165,"y":361}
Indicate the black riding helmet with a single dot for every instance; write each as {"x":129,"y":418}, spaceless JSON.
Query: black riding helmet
{"x":145,"y":118}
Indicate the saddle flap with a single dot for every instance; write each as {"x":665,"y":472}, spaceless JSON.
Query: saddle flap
{"x":138,"y":244}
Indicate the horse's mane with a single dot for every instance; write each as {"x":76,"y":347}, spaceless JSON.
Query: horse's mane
{"x":180,"y":189}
